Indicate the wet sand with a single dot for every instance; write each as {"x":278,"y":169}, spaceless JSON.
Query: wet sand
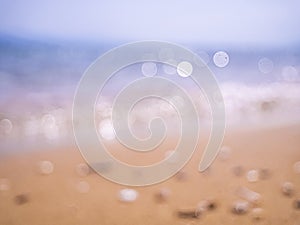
{"x":63,"y":197}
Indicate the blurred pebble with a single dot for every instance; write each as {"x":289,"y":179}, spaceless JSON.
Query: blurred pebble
{"x":224,"y":153}
{"x":181,"y":175}
{"x":238,"y":171}
{"x":287,"y":188}
{"x":252,"y":176}
{"x":297,"y":204}
{"x":206,"y":205}
{"x":257,"y":213}
{"x":297,"y":167}
{"x":83,"y":187}
{"x":45,"y":167}
{"x":82,"y":169}
{"x":21,"y":199}
{"x":162,"y":195}
{"x":188,"y":213}
{"x":128,"y":195}
{"x":240,"y":207}
{"x":264,"y":174}
{"x":4,"y":184}
{"x":249,"y":195}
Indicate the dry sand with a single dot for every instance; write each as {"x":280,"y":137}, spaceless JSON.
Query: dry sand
{"x":55,"y":198}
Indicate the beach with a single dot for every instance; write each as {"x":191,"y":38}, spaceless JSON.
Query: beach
{"x":160,"y":87}
{"x":62,"y":196}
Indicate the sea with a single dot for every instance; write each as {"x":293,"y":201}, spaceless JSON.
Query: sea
{"x":39,"y":78}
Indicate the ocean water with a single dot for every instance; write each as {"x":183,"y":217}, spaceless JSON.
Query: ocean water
{"x":38,"y":80}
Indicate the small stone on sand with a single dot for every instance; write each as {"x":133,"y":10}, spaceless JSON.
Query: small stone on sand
{"x":264,"y":174}
{"x":249,"y":195}
{"x":162,"y":195}
{"x":252,"y":176}
{"x":128,"y":195}
{"x":188,"y":213}
{"x":257,"y":213}
{"x":45,"y":167}
{"x":4,"y":184}
{"x":297,"y":204}
{"x":206,"y":205}
{"x":287,"y":188}
{"x":238,"y":171}
{"x":181,"y":175}
{"x":21,"y":199}
{"x":240,"y":207}
{"x":82,"y":169}
{"x":224,"y":153}
{"x":297,"y":167}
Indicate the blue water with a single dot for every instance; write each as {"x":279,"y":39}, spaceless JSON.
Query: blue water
{"x":38,"y":77}
{"x":39,"y":65}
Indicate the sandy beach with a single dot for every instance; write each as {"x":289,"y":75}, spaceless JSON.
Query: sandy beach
{"x":66,"y":197}
{"x":150,"y":81}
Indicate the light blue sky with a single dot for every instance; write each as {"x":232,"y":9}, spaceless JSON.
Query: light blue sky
{"x":234,"y":22}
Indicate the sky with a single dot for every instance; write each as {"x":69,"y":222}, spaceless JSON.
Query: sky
{"x":231,"y":22}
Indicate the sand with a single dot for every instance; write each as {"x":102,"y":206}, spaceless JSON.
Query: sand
{"x":63,"y":197}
